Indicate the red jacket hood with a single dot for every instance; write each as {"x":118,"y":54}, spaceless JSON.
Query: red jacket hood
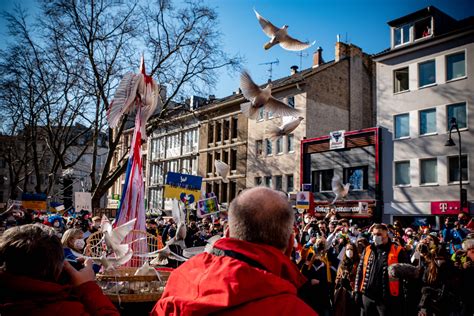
{"x":213,"y":284}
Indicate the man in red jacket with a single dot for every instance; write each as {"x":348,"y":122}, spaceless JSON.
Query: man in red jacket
{"x":248,"y":272}
{"x":31,"y":262}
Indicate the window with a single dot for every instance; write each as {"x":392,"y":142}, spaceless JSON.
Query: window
{"x":426,"y":73}
{"x":322,"y":180}
{"x":400,"y":80}
{"x":278,"y":183}
{"x":291,"y":101}
{"x":289,"y":183}
{"x":258,"y":181}
{"x":453,"y":163}
{"x":455,"y":66}
{"x":259,"y":147}
{"x":402,"y":125}
{"x":235,"y":125}
{"x":459,"y":112}
{"x":357,"y":177}
{"x":422,"y":28}
{"x":291,"y":143}
{"x":218,"y":131}
{"x":226,"y":129}
{"x":233,"y":190}
{"x":209,"y":163}
{"x":279,"y":145}
{"x":224,"y":193}
{"x":428,"y":121}
{"x":268,"y":182}
{"x":225,"y":157}
{"x":233,"y":159}
{"x":210,"y":135}
{"x":270,"y":115}
{"x":402,"y":173}
{"x":428,"y":171}
{"x":261,"y":113}
{"x":268,"y":146}
{"x":402,"y":35}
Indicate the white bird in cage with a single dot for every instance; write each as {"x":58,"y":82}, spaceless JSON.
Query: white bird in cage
{"x":339,"y":189}
{"x":135,"y":90}
{"x":222,"y":170}
{"x":285,"y":128}
{"x":280,"y":36}
{"x":113,"y":237}
{"x":261,"y":98}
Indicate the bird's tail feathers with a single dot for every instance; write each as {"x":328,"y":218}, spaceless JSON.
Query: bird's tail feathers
{"x":249,"y":111}
{"x":268,"y":45}
{"x":274,"y":132}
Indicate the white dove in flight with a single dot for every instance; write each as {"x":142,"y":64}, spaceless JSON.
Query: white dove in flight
{"x":261,"y":98}
{"x":135,"y":90}
{"x":280,"y":36}
{"x":114,"y":237}
{"x":339,"y":189}
{"x":222,"y":170}
{"x":285,"y":128}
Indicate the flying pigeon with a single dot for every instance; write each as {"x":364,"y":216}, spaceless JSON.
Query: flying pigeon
{"x":285,"y":128}
{"x":222,"y":170}
{"x":280,"y":36}
{"x":339,"y":189}
{"x":162,"y":255}
{"x":114,"y":237}
{"x":135,"y":90}
{"x":261,"y":98}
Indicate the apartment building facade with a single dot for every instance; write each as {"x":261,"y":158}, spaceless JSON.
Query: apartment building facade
{"x":334,"y":95}
{"x":423,"y":81}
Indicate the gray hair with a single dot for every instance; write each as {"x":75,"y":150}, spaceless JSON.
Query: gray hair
{"x":261,"y":215}
{"x":32,"y":250}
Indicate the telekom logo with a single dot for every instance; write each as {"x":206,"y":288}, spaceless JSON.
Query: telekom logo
{"x":443,"y":207}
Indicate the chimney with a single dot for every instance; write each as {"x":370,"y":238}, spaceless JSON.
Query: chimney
{"x":318,"y":57}
{"x":294,"y":69}
{"x":342,"y":51}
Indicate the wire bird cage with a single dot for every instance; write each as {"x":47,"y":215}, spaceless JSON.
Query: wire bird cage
{"x":121,"y":284}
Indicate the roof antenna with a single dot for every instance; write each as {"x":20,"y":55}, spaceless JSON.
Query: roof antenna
{"x":270,"y":67}
{"x":301,"y":55}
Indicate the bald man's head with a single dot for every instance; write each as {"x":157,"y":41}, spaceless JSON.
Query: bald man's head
{"x":261,"y":215}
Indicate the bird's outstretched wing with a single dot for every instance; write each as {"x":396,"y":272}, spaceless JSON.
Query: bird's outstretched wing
{"x":290,"y":43}
{"x":279,"y":108}
{"x":249,"y":89}
{"x":123,"y":98}
{"x":222,"y":170}
{"x":267,"y":27}
{"x":118,"y":234}
{"x":336,"y":185}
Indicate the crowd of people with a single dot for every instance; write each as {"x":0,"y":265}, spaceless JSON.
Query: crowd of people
{"x":335,"y":266}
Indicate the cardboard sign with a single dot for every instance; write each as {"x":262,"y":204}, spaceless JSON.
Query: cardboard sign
{"x":183,"y":187}
{"x":83,"y":201}
{"x":207,"y":206}
{"x":336,"y":140}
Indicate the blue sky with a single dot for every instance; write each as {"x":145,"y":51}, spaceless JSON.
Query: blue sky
{"x":360,"y":22}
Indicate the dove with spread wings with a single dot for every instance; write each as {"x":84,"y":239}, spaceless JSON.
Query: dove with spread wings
{"x":339,"y":189}
{"x":135,"y":90}
{"x":261,"y":98}
{"x":285,"y":128}
{"x":280,"y":36}
{"x":222,"y":170}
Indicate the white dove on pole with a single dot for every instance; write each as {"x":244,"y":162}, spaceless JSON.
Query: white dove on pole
{"x":222,"y":170}
{"x":135,"y":90}
{"x":261,"y":98}
{"x":280,"y":36}
{"x":285,"y":128}
{"x":339,"y":189}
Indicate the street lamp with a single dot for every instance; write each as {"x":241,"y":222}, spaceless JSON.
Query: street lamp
{"x":450,"y":143}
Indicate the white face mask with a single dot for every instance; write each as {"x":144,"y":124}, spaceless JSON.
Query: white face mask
{"x":306,"y":220}
{"x":349,"y":253}
{"x":79,"y":244}
{"x":378,"y":240}
{"x":56,"y":224}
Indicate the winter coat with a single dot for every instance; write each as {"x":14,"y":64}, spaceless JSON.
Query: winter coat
{"x":21,"y":295}
{"x":240,"y":278}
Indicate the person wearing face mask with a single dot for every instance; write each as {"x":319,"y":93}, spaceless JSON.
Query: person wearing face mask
{"x":377,"y":293}
{"x":73,"y":244}
{"x":345,"y":282}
